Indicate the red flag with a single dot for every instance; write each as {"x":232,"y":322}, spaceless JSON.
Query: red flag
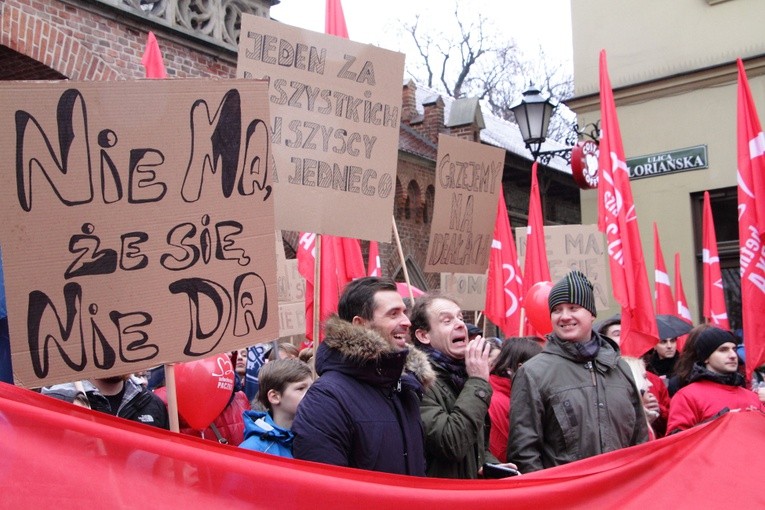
{"x":714,"y":309}
{"x":535,"y":266}
{"x":751,"y":223}
{"x":504,"y":285}
{"x":374,"y":268}
{"x":663,"y":291}
{"x":152,"y":59}
{"x":306,"y":256}
{"x":681,"y":309}
{"x":617,"y":219}
{"x":334,"y":20}
{"x":349,"y":262}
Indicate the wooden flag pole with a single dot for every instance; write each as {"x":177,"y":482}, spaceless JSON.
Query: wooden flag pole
{"x":172,"y":397}
{"x":403,"y":262}
{"x":523,"y":318}
{"x":317,"y":291}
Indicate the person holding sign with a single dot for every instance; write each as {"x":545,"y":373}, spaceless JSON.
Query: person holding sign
{"x":577,"y":398}
{"x":119,"y":396}
{"x":364,"y":410}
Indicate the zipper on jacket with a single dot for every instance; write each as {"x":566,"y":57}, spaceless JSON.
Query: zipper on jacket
{"x":589,"y":366}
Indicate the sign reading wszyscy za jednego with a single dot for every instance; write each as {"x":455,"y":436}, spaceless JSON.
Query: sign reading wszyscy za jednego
{"x":680,"y":160}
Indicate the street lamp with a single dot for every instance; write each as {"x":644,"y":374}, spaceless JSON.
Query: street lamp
{"x":533,"y":115}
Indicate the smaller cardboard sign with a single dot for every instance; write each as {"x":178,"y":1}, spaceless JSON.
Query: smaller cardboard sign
{"x":468,"y":289}
{"x":291,"y":286}
{"x":468,"y":183}
{"x":575,"y":247}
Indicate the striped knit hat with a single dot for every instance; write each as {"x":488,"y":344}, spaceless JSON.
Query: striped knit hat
{"x":573,"y":288}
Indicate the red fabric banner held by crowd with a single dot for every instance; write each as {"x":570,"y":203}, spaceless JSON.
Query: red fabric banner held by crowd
{"x":66,"y":457}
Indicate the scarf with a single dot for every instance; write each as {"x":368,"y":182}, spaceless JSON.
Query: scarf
{"x":700,"y":372}
{"x":587,"y":351}
{"x":454,"y":367}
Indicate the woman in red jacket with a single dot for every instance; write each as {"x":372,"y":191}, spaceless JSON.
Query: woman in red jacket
{"x":514,"y":353}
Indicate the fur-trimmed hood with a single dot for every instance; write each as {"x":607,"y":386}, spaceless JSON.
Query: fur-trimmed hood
{"x":351,"y":349}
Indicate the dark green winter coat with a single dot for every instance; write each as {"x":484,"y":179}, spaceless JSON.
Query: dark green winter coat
{"x":565,"y":409}
{"x":454,"y":422}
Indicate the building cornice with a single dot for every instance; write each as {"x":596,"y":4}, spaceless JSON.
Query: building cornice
{"x":671,"y":85}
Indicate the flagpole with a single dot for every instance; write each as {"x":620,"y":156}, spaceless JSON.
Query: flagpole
{"x":317,"y":292}
{"x":403,"y":262}
{"x":172,"y":397}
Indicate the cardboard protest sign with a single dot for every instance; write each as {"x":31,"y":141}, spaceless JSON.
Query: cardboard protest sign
{"x":468,"y":289}
{"x":575,"y":247}
{"x":138,"y":224}
{"x":335,"y":114}
{"x":291,"y":299}
{"x":468,"y":183}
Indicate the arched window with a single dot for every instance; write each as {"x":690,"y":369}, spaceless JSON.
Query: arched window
{"x":430,"y":197}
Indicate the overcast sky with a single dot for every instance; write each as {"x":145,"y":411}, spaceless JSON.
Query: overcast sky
{"x":529,"y":22}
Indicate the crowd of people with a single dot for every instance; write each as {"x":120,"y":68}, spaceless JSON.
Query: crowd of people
{"x":418,"y":391}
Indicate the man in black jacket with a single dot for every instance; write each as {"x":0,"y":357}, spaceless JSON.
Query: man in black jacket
{"x":119,"y":396}
{"x":364,"y":410}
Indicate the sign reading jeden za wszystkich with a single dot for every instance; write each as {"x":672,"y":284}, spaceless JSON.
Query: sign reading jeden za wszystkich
{"x":335,"y":114}
{"x":138,"y":224}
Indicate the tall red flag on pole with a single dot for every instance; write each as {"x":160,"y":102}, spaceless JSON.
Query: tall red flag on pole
{"x":617,"y":219}
{"x":751,"y":223}
{"x":334,"y":20}
{"x":535,"y":266}
{"x":374,"y":268}
{"x":504,"y":284}
{"x":152,"y":59}
{"x":665,"y":304}
{"x":328,"y":286}
{"x":349,"y":262}
{"x":682,"y":309}
{"x":714,"y":309}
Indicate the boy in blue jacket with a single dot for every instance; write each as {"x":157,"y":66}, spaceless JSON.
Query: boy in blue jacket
{"x":283,"y":384}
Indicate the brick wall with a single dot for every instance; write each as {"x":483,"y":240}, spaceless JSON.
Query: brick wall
{"x":84,"y":45}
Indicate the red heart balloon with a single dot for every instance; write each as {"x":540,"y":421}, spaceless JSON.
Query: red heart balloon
{"x":537,"y":309}
{"x":203,"y":389}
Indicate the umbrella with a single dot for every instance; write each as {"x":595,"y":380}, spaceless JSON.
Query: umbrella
{"x":672,"y":326}
{"x":404,"y":290}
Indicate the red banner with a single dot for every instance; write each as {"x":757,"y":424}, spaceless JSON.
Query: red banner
{"x":504,"y":283}
{"x":665,"y":304}
{"x":535,"y":266}
{"x":66,"y":457}
{"x":714,"y":309}
{"x":751,"y":223}
{"x":617,"y":219}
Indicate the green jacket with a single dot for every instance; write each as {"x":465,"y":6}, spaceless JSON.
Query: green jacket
{"x":455,"y":441}
{"x":565,"y":409}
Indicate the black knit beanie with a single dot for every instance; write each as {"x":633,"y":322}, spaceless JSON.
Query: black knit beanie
{"x":709,"y":340}
{"x":573,"y":288}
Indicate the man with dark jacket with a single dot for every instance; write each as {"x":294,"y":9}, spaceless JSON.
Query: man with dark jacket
{"x":364,"y":409}
{"x":577,"y":398}
{"x":119,"y":396}
{"x":455,"y":409}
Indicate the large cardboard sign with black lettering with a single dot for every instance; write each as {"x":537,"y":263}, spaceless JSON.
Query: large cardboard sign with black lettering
{"x":468,"y":183}
{"x":335,"y":114}
{"x":138,"y":224}
{"x":575,"y":247}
